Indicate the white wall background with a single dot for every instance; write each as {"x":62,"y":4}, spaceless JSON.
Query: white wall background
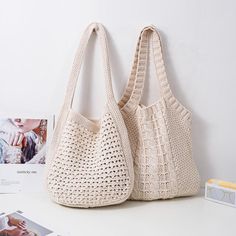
{"x":38,"y":40}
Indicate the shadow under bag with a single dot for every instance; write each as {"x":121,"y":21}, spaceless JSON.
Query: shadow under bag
{"x":160,"y":134}
{"x":90,"y":164}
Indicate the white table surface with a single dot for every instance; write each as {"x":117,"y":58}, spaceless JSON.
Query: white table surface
{"x":183,"y":216}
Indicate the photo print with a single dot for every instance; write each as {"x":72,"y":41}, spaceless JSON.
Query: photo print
{"x":23,"y":141}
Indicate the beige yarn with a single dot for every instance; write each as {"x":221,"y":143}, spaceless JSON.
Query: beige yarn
{"x":160,"y":134}
{"x":90,"y":164}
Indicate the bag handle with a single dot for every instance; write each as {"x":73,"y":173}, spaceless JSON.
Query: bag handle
{"x":79,"y":57}
{"x":133,"y":94}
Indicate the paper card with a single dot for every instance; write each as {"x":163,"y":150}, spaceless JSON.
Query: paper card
{"x":23,"y":146}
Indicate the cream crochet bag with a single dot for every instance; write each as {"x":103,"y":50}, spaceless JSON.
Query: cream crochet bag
{"x":90,"y":164}
{"x":160,"y":134}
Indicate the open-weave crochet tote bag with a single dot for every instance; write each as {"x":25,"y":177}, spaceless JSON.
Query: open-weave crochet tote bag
{"x":160,"y":134}
{"x":90,"y":163}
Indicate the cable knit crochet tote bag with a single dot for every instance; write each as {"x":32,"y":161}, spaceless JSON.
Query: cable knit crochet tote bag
{"x":160,"y":134}
{"x":90,"y":164}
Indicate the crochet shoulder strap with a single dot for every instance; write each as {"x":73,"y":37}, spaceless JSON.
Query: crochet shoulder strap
{"x":100,"y":31}
{"x":133,"y":93}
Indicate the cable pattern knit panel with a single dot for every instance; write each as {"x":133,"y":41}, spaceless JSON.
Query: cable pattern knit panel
{"x":153,"y":163}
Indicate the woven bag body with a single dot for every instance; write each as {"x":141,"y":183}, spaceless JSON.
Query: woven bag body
{"x":90,"y":163}
{"x":160,"y":134}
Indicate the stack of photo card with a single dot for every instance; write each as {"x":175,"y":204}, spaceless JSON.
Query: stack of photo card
{"x":23,"y":145}
{"x":17,"y":224}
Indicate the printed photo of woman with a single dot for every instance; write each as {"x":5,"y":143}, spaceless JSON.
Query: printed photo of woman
{"x":23,"y":141}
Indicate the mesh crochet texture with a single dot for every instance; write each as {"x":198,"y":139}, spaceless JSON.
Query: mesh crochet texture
{"x":89,"y":167}
{"x":89,"y":164}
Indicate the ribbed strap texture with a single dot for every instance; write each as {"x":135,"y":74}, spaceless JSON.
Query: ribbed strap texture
{"x":134,"y":89}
